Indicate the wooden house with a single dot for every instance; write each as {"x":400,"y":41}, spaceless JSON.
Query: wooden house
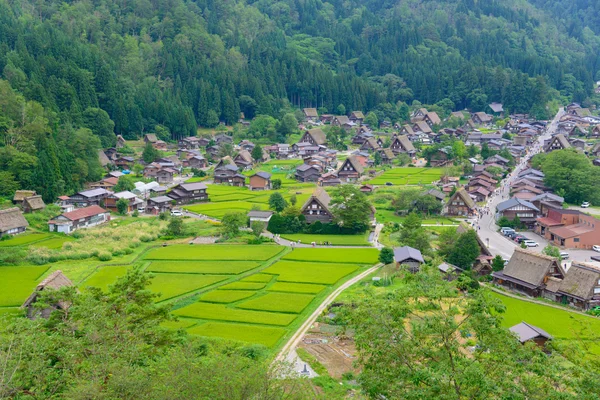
{"x":89,"y":197}
{"x":133,"y":201}
{"x":78,"y":219}
{"x":159,"y":204}
{"x":580,"y":288}
{"x":387,"y":155}
{"x":316,"y":208}
{"x":197,"y":161}
{"x":497,"y":109}
{"x":407,"y":130}
{"x":260,"y":181}
{"x":227,"y":173}
{"x":12,"y":222}
{"x":150,"y":138}
{"x":516,"y":207}
{"x":401,"y":144}
{"x":529,"y":333}
{"x":222,"y":139}
{"x":460,"y":203}
{"x":357,"y":117}
{"x":120,"y":142}
{"x":315,"y":137}
{"x":54,"y":281}
{"x":186,"y":193}
{"x":21,"y":195}
{"x":408,"y":256}
{"x":160,"y":145}
{"x":441,"y":158}
{"x":310,"y":114}
{"x":558,"y":142}
{"x":125,"y":162}
{"x":481,"y":118}
{"x":243,"y":159}
{"x":307,"y":173}
{"x":343,"y":122}
{"x":431,"y":118}
{"x":528,"y":272}
{"x":33,"y":203}
{"x":351,"y":170}
{"x":189,"y":143}
{"x":422,"y":126}
{"x":371,"y":144}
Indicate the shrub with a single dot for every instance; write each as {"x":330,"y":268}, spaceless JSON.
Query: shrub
{"x":386,"y":256}
{"x":104,"y":256}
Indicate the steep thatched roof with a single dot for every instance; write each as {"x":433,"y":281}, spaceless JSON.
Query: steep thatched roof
{"x":464,"y":196}
{"x":12,"y":218}
{"x":104,"y":160}
{"x":310,"y":112}
{"x":21,"y":194}
{"x":319,"y":195}
{"x":353,"y":160}
{"x":530,"y":267}
{"x":318,"y":135}
{"x":34,"y":203}
{"x":580,"y":281}
{"x":405,"y":143}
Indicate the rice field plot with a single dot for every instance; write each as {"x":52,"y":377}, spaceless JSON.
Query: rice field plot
{"x":350,"y":256}
{"x":278,"y":302}
{"x":407,"y":175}
{"x":218,"y":210}
{"x":263,"y":278}
{"x":296,"y":287}
{"x":226,"y":296}
{"x":244,"y":286}
{"x":203,"y":267}
{"x":54,"y":242}
{"x":24,"y":239}
{"x":264,"y":335}
{"x":181,"y":324}
{"x":219,"y":312}
{"x":10,"y":311}
{"x":173,"y":285}
{"x":17,"y":283}
{"x":105,"y":276}
{"x":308,"y":272}
{"x":231,"y":197}
{"x":215,"y":252}
{"x":336,"y":240}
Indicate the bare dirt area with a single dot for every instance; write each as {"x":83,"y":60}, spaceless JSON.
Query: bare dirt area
{"x":336,"y":353}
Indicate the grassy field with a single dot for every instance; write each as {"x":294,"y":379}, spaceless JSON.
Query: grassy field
{"x":264,"y":335}
{"x":408,"y":176}
{"x":384,"y":216}
{"x":105,"y":276}
{"x":559,"y":323}
{"x":296,"y":287}
{"x":308,"y":272}
{"x":244,"y":286}
{"x":336,"y":240}
{"x":172,"y":285}
{"x":278,"y":302}
{"x":354,"y":256}
{"x":220,"y":312}
{"x":202,"y":267}
{"x":24,"y":239}
{"x":226,"y":296}
{"x":258,"y":278}
{"x":214,"y":252}
{"x":17,"y":283}
{"x":54,"y":242}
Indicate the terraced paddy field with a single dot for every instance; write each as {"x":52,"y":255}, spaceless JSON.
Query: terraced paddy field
{"x":335,"y":240}
{"x":252,"y":293}
{"x":408,"y":176}
{"x":225,"y":199}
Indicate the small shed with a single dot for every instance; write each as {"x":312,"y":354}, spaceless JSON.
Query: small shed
{"x":261,"y":216}
{"x":54,"y":281}
{"x":33,"y":203}
{"x":12,"y":222}
{"x":408,"y":256}
{"x":20,"y":195}
{"x":526,"y":332}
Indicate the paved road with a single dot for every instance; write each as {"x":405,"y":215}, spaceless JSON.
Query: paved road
{"x":487,"y":228}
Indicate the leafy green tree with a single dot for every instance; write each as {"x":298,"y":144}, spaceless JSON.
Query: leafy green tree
{"x":446,"y":241}
{"x":232,"y":222}
{"x":465,"y":251}
{"x":125,"y":183}
{"x":287,"y":126}
{"x":276,"y":184}
{"x":257,"y":153}
{"x":212,"y":119}
{"x":293,"y":200}
{"x":257,"y":228}
{"x":371,"y":120}
{"x":350,"y":207}
{"x":498,"y":263}
{"x":277,"y":202}
{"x":149,"y":154}
{"x":248,"y":106}
{"x":341,"y":109}
{"x":99,"y":122}
{"x":138,"y":169}
{"x":122,"y":206}
{"x":386,"y":255}
{"x":552,"y":251}
{"x":412,"y":234}
{"x":485,"y":151}
{"x":8,"y":184}
{"x":175,"y":226}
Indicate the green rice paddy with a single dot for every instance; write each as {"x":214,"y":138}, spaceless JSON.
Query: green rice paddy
{"x":296,"y":287}
{"x":214,"y":252}
{"x":203,"y":267}
{"x":353,"y":256}
{"x":220,"y":312}
{"x":308,"y":272}
{"x":408,"y":176}
{"x":279,"y":302}
{"x":267,"y":336}
{"x":17,"y":283}
{"x":172,"y":285}
{"x":336,"y":240}
{"x":226,"y":296}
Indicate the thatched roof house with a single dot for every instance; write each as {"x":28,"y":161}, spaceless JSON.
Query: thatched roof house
{"x":581,"y":286}
{"x":33,"y":203}
{"x":12,"y":222}
{"x":54,"y":281}
{"x":21,"y":194}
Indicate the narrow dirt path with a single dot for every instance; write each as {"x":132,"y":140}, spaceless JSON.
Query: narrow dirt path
{"x":295,"y":339}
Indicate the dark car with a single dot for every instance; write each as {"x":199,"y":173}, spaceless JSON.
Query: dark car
{"x":389,"y":184}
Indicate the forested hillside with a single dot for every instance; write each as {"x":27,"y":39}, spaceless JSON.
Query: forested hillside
{"x":139,"y":66}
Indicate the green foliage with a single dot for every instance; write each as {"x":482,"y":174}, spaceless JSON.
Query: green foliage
{"x":372,"y":120}
{"x":350,"y":207}
{"x":386,"y":255}
{"x":257,"y":153}
{"x":277,"y":202}
{"x":150,"y":153}
{"x":465,"y":251}
{"x":278,"y":302}
{"x":498,"y":263}
{"x":257,"y":228}
{"x":122,"y":206}
{"x":413,"y":234}
{"x":175,"y":227}
{"x":125,"y":183}
{"x":276,"y":184}
{"x":552,"y":251}
{"x":232,"y":222}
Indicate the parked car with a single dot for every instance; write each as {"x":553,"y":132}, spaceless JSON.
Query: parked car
{"x":564,"y":255}
{"x":530,"y":243}
{"x":585,"y":204}
{"x":506,"y":230}
{"x":176,"y":213}
{"x":519,"y":238}
{"x":596,"y":248}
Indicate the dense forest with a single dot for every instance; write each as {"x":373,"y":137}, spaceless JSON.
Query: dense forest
{"x":138,"y":66}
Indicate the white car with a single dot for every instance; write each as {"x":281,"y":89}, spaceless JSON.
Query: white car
{"x":530,"y":243}
{"x":176,"y":213}
{"x":585,"y":204}
{"x":596,"y":248}
{"x":564,"y":255}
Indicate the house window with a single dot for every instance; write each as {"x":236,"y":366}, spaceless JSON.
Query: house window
{"x":576,"y":240}
{"x":314,"y":206}
{"x":597,"y":290}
